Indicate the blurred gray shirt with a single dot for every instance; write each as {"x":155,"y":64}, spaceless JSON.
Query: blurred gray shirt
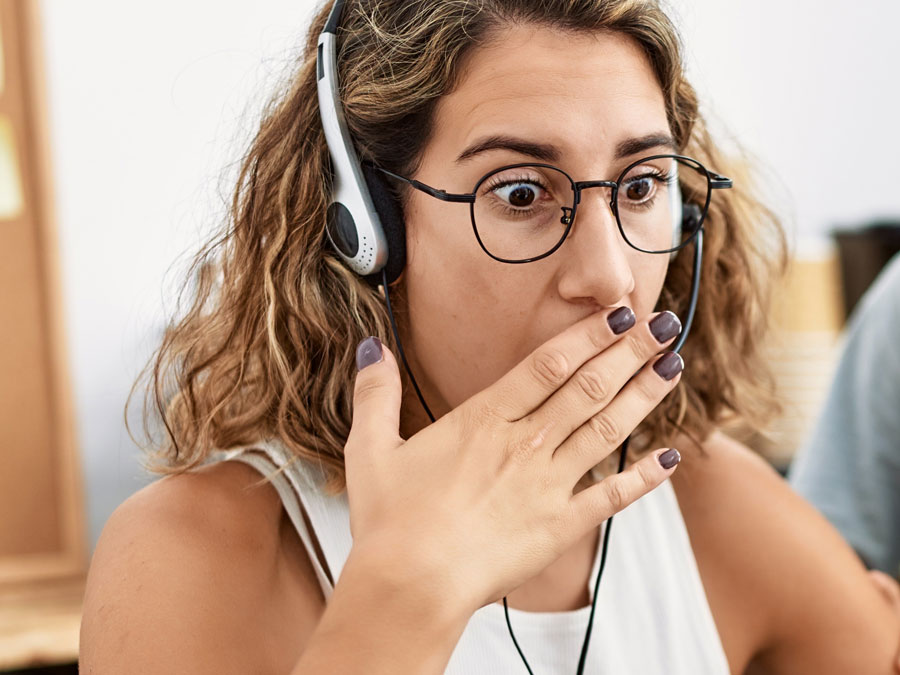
{"x":850,"y":467}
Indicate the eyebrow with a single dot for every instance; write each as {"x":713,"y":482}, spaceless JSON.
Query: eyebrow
{"x":547,"y":152}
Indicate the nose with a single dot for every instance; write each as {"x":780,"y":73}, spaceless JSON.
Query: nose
{"x":597,"y":264}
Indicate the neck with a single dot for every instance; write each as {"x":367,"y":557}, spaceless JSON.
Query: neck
{"x":413,"y":417}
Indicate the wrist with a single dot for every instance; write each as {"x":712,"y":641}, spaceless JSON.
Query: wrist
{"x":417,"y":578}
{"x":390,"y":614}
{"x":383,"y":620}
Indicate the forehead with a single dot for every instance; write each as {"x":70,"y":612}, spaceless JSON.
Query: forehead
{"x":574,"y":90}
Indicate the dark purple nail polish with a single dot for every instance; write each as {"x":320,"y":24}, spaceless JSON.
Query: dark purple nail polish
{"x":669,"y":365}
{"x":669,"y":458}
{"x":368,"y":352}
{"x":621,"y":320}
{"x":665,"y":326}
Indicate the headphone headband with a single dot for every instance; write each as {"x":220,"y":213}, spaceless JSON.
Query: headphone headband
{"x":364,"y":222}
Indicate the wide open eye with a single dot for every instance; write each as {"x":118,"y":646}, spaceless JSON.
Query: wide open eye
{"x":645,"y":182}
{"x":519,"y":211}
{"x":519,"y":194}
{"x":640,"y":189}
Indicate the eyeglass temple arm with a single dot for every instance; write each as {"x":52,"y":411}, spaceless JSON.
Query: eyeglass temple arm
{"x":718,"y":182}
{"x":427,"y":189}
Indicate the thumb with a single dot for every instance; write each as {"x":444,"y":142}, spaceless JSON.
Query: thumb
{"x":376,"y":396}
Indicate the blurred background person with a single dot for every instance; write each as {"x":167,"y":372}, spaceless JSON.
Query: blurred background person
{"x":850,"y":466}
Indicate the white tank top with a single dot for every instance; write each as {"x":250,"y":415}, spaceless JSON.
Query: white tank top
{"x":652,"y":616}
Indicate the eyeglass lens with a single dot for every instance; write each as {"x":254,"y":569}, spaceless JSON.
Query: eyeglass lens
{"x":523,"y":212}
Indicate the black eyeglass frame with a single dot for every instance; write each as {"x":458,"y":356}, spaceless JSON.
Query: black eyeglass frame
{"x":714,"y":181}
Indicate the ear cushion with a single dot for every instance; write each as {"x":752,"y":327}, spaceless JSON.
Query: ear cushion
{"x":391,"y":215}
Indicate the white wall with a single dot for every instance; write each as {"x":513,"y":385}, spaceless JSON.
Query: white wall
{"x":812,"y":87}
{"x":147,"y":101}
{"x":151,"y":101}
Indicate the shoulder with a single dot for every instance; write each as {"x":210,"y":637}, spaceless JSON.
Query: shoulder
{"x":182,"y":570}
{"x":797,"y":578}
{"x":222,"y":505}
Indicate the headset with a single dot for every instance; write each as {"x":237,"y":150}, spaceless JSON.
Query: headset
{"x":364,"y":220}
{"x":364,"y":223}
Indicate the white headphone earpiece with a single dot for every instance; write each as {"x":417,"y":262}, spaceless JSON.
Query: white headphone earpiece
{"x":353,"y":224}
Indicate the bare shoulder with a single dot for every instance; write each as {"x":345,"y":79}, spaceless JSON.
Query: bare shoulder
{"x":786,"y":590}
{"x":185,"y":572}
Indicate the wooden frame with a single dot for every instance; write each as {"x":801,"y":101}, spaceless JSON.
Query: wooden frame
{"x":23,"y":102}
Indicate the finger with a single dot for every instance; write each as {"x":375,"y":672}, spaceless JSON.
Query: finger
{"x":547,"y":368}
{"x":607,"y":430}
{"x":888,"y":586}
{"x":601,"y":378}
{"x":598,"y":502}
{"x":376,"y":397}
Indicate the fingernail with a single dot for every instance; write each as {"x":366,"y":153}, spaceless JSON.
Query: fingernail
{"x":621,"y":320}
{"x":669,"y":365}
{"x":368,"y":352}
{"x":665,"y":326}
{"x":669,"y":458}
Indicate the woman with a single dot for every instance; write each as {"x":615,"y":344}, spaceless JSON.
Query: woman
{"x":527,"y":369}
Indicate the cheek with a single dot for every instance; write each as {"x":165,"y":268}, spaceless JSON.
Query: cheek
{"x":463,"y":305}
{"x":444,"y":259}
{"x":649,"y":271}
{"x":438,"y":234}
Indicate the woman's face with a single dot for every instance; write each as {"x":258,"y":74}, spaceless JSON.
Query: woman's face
{"x":587,"y":100}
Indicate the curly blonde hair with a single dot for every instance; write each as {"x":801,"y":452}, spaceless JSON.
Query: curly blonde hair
{"x":265,"y":348}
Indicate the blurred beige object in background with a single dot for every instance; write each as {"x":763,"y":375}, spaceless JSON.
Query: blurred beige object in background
{"x":43,"y":556}
{"x":803,"y":347}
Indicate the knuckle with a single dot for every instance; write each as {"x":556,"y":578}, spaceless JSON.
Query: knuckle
{"x":597,"y":336}
{"x":603,"y":425}
{"x":366,"y":390}
{"x":521,"y":449}
{"x":537,"y":438}
{"x":486,"y":406}
{"x":475,"y":417}
{"x":550,"y":367}
{"x":648,"y":389}
{"x":523,"y":446}
{"x":593,"y":385}
{"x":619,"y":496}
{"x":645,"y":476}
{"x":637,"y":346}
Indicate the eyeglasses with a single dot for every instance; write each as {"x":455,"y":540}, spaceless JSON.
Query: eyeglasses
{"x":523,"y":212}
